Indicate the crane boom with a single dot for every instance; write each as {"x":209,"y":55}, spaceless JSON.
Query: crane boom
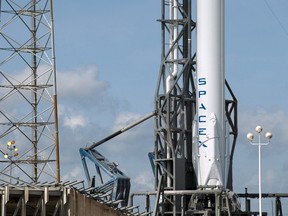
{"x":144,"y":118}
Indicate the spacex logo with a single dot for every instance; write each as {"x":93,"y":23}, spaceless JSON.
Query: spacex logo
{"x":202,"y":117}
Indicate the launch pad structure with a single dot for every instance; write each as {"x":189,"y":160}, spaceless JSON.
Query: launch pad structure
{"x":195,"y":117}
{"x":176,"y":103}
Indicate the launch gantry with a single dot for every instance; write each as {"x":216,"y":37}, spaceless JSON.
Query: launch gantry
{"x":177,"y":109}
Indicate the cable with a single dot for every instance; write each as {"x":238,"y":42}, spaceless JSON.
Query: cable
{"x":276,"y":18}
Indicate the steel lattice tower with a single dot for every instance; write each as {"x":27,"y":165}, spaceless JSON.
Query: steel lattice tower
{"x":28,"y":94}
{"x":175,"y":103}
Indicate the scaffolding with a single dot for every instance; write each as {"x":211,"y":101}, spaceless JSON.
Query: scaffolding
{"x":28,"y":94}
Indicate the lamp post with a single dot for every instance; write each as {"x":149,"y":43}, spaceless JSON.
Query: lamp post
{"x":250,"y":137}
{"x":13,"y":152}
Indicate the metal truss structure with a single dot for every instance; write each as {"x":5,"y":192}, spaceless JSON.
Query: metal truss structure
{"x":116,"y":187}
{"x":28,"y":94}
{"x":175,"y":104}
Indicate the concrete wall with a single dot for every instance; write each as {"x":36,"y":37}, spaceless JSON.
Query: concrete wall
{"x":80,"y":205}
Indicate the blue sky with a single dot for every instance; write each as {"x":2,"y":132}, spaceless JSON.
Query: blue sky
{"x":108,"y":59}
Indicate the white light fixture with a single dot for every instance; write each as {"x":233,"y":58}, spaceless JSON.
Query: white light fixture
{"x":250,"y":137}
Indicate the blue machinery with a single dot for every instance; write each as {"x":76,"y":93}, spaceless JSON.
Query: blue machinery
{"x":116,"y":186}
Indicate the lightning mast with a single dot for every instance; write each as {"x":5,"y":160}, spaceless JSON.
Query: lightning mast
{"x":28,"y":94}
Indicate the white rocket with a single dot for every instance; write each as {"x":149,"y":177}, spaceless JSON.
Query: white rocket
{"x":210,"y":143}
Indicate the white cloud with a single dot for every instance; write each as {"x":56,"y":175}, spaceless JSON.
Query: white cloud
{"x":75,"y":121}
{"x":82,"y":89}
{"x":80,"y":84}
{"x":144,"y":180}
{"x":72,"y":118}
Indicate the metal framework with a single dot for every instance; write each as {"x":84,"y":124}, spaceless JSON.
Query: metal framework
{"x":28,"y":94}
{"x":277,"y":196}
{"x":175,"y":104}
{"x":116,"y":187}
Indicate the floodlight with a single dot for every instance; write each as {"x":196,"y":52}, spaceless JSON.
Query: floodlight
{"x":268,"y":135}
{"x":11,"y":142}
{"x":250,"y":137}
{"x":258,"y":129}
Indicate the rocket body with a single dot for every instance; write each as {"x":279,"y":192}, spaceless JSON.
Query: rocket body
{"x":210,"y":150}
